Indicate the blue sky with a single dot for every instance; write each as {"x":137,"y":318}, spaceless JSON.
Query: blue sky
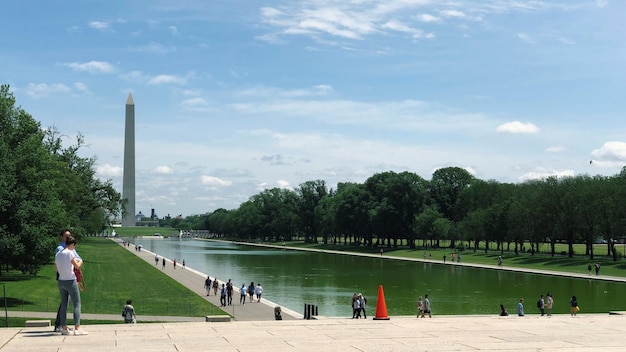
{"x":233,"y":97}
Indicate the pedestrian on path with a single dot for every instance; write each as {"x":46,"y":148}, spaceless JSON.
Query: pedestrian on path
{"x":251,"y":291}
{"x":427,"y":308}
{"x":243,"y":291}
{"x":156,"y":259}
{"x":174,"y":264}
{"x":129,"y":313}
{"x":183,"y":264}
{"x":207,"y":285}
{"x":573,"y":306}
{"x":549,"y":304}
{"x":420,"y":307}
{"x":163,"y":263}
{"x":258,"y":290}
{"x":520,"y":307}
{"x":215,"y":286}
{"x":541,"y":305}
{"x":223,"y":296}
{"x":229,"y":292}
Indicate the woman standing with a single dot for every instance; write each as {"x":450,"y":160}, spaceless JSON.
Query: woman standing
{"x":549,"y":303}
{"x":420,"y":307}
{"x":573,"y":306}
{"x":65,"y":262}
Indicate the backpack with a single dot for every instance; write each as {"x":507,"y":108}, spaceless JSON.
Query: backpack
{"x":539,"y":304}
{"x":127,"y":314}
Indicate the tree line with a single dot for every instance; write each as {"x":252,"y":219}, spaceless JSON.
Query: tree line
{"x":44,"y":187}
{"x":402,"y":209}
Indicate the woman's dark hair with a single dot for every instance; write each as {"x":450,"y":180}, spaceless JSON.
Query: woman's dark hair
{"x":70,"y":240}
{"x":129,"y":302}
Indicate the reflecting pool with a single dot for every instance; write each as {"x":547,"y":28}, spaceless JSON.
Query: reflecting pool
{"x":292,"y":278}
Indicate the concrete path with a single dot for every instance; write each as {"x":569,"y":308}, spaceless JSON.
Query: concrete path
{"x":559,"y":333}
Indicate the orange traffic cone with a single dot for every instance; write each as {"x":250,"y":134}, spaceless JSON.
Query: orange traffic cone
{"x":381,"y":306}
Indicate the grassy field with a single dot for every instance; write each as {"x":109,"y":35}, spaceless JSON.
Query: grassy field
{"x":541,"y":260}
{"x":112,"y":275}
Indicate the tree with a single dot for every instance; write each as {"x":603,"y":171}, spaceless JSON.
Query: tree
{"x":310,"y":194}
{"x":44,"y":188}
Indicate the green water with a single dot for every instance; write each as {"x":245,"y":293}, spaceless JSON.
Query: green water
{"x":292,"y":278}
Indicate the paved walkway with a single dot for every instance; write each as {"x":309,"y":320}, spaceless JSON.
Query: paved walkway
{"x":559,"y":333}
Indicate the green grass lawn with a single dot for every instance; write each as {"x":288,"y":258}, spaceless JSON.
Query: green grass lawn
{"x":112,"y":275}
{"x":541,"y":260}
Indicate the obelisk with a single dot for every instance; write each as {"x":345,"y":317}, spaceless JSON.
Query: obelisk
{"x":128,"y":186}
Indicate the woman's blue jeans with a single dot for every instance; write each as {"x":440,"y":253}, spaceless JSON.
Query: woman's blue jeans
{"x":69,"y":289}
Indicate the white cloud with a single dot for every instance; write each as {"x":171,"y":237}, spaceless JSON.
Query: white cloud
{"x":517,"y":127}
{"x":167,"y":79}
{"x":81,"y":87}
{"x":39,"y":90}
{"x":100,"y":25}
{"x":428,"y":18}
{"x":556,"y":149}
{"x":610,"y":151}
{"x":153,"y":47}
{"x":283,"y":184}
{"x":163,"y":170}
{"x":173,"y":30}
{"x":214,"y":181}
{"x":452,"y":13}
{"x":92,"y":67}
{"x":108,"y":170}
{"x":525,"y":38}
{"x":543,"y":173}
{"x":197,"y":104}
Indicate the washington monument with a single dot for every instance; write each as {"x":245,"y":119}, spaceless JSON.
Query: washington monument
{"x":128,"y":186}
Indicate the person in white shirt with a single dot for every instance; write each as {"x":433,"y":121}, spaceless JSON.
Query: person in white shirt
{"x":258,"y":290}
{"x":65,"y":261}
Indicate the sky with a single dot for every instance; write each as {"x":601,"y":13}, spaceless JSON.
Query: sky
{"x":233,"y":97}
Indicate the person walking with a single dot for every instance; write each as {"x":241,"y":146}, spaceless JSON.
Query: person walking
{"x":156,"y":259}
{"x":356,"y":307}
{"x":251,"y":291}
{"x":215,"y":286}
{"x":174,"y":264}
{"x":183,"y":264}
{"x":163,"y":261}
{"x":243,"y":291}
{"x":65,"y":262}
{"x":541,"y":303}
{"x":420,"y":307}
{"x":207,"y":285}
{"x":427,"y":307}
{"x":573,"y":306}
{"x":258,"y":291}
{"x":589,"y":268}
{"x":362,"y":302}
{"x":128,"y":312}
{"x":229,"y":292}
{"x":520,"y":307}
{"x":223,"y":296}
{"x":549,"y":304}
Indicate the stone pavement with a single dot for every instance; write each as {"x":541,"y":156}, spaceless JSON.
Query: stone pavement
{"x":559,"y":333}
